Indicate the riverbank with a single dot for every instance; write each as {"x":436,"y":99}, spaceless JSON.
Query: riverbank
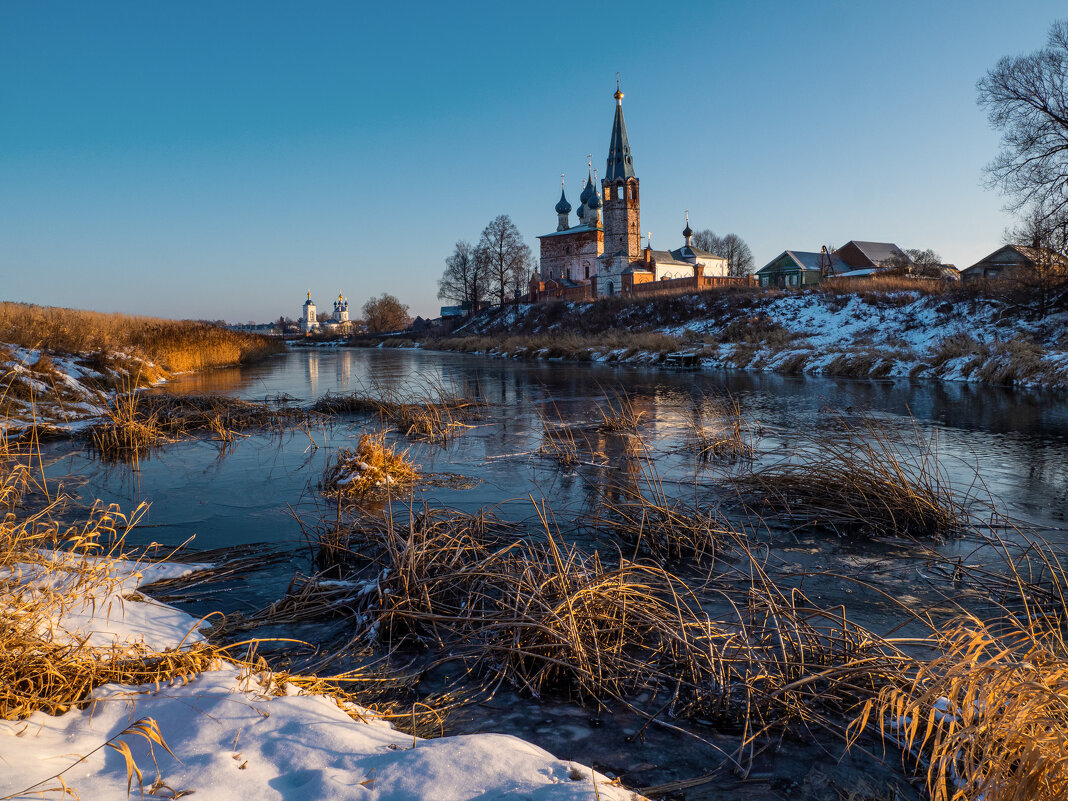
{"x":950,"y":335}
{"x":60,"y":368}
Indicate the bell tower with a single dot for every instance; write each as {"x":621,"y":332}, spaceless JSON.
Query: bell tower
{"x":622,"y":223}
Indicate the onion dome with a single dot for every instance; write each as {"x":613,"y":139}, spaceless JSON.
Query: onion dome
{"x":687,"y":231}
{"x":563,"y":207}
{"x":588,"y":191}
{"x":595,"y":200}
{"x":581,"y":213}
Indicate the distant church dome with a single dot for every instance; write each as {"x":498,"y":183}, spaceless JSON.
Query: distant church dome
{"x":595,"y":200}
{"x":563,"y":207}
{"x":687,"y":231}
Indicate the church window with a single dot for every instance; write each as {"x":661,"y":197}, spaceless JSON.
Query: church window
{"x":619,"y":193}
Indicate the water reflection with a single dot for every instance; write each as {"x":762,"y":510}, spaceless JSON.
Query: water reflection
{"x":1017,"y":440}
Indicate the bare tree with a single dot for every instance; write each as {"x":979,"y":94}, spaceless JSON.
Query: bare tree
{"x":708,"y":241}
{"x":1026,"y":99}
{"x":504,"y":253}
{"x":522,"y":277}
{"x":465,"y":277}
{"x":385,"y":314}
{"x":739,"y":256}
{"x":1045,"y":236}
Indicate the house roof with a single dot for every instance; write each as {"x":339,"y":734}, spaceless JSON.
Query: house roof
{"x":688,"y":251}
{"x":807,"y":260}
{"x":876,"y":252}
{"x":668,"y":257}
{"x":1011,"y":255}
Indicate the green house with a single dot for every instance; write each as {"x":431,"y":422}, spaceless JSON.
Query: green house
{"x":798,"y":268}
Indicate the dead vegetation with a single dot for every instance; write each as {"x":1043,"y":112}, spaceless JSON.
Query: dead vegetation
{"x":371,"y":467}
{"x":426,"y":411}
{"x":719,"y":430}
{"x":177,"y":345}
{"x":862,"y":478}
{"x":137,"y":423}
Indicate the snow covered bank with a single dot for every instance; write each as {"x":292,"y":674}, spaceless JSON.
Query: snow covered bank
{"x":235,"y":734}
{"x":65,"y":392}
{"x":893,"y":334}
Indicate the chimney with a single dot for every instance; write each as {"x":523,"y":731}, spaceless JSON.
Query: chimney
{"x":648,"y":255}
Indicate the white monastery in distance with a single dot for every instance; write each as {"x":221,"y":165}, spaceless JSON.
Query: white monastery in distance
{"x":338,"y":321}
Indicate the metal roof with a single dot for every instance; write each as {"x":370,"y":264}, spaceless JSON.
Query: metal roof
{"x":574,"y":229}
{"x":807,"y":260}
{"x":877,"y":252}
{"x":620,"y":162}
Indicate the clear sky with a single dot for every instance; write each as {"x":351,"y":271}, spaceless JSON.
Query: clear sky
{"x":216,"y":160}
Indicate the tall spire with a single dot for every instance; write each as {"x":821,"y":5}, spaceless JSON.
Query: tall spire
{"x":620,"y":163}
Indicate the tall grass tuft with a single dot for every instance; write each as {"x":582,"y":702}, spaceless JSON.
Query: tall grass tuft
{"x":425,"y":411}
{"x":987,"y":718}
{"x":372,"y":466}
{"x":860,"y":479}
{"x":137,"y":423}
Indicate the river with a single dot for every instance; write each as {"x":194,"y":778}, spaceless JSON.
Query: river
{"x":1009,"y":445}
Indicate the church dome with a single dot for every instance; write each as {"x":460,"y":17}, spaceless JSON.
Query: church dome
{"x":687,"y":231}
{"x":595,"y":200}
{"x":563,"y":207}
{"x":588,"y":191}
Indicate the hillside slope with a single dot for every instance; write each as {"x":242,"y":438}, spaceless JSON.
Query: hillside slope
{"x":950,"y":336}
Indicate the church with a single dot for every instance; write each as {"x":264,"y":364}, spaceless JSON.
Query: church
{"x":602,"y":255}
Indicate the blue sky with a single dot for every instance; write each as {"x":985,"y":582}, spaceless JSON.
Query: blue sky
{"x":217,"y":160}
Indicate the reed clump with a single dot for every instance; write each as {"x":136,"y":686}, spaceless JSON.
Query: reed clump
{"x":987,"y":717}
{"x":426,"y":411}
{"x":719,"y":430}
{"x":545,"y":617}
{"x":861,"y":479}
{"x":372,"y":466}
{"x":620,"y":414}
{"x":137,"y":423}
{"x":177,"y":345}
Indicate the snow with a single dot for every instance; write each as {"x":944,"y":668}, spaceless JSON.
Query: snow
{"x":233,"y":735}
{"x":897,"y":334}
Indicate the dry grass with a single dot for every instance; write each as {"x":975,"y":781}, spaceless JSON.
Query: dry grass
{"x":550,"y":620}
{"x":986,"y":718}
{"x":137,"y":423}
{"x":372,"y":467}
{"x":619,"y":414}
{"x":178,"y":346}
{"x":861,"y":479}
{"x":44,"y":669}
{"x":719,"y":431}
{"x":425,"y":411}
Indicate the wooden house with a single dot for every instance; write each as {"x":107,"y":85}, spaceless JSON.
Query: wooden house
{"x":1012,"y":261}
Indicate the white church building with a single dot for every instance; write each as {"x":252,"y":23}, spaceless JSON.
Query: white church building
{"x":337,"y":323}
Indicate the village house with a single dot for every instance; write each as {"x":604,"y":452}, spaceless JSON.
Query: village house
{"x":854,"y":259}
{"x":601,"y":255}
{"x":1012,"y":262}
